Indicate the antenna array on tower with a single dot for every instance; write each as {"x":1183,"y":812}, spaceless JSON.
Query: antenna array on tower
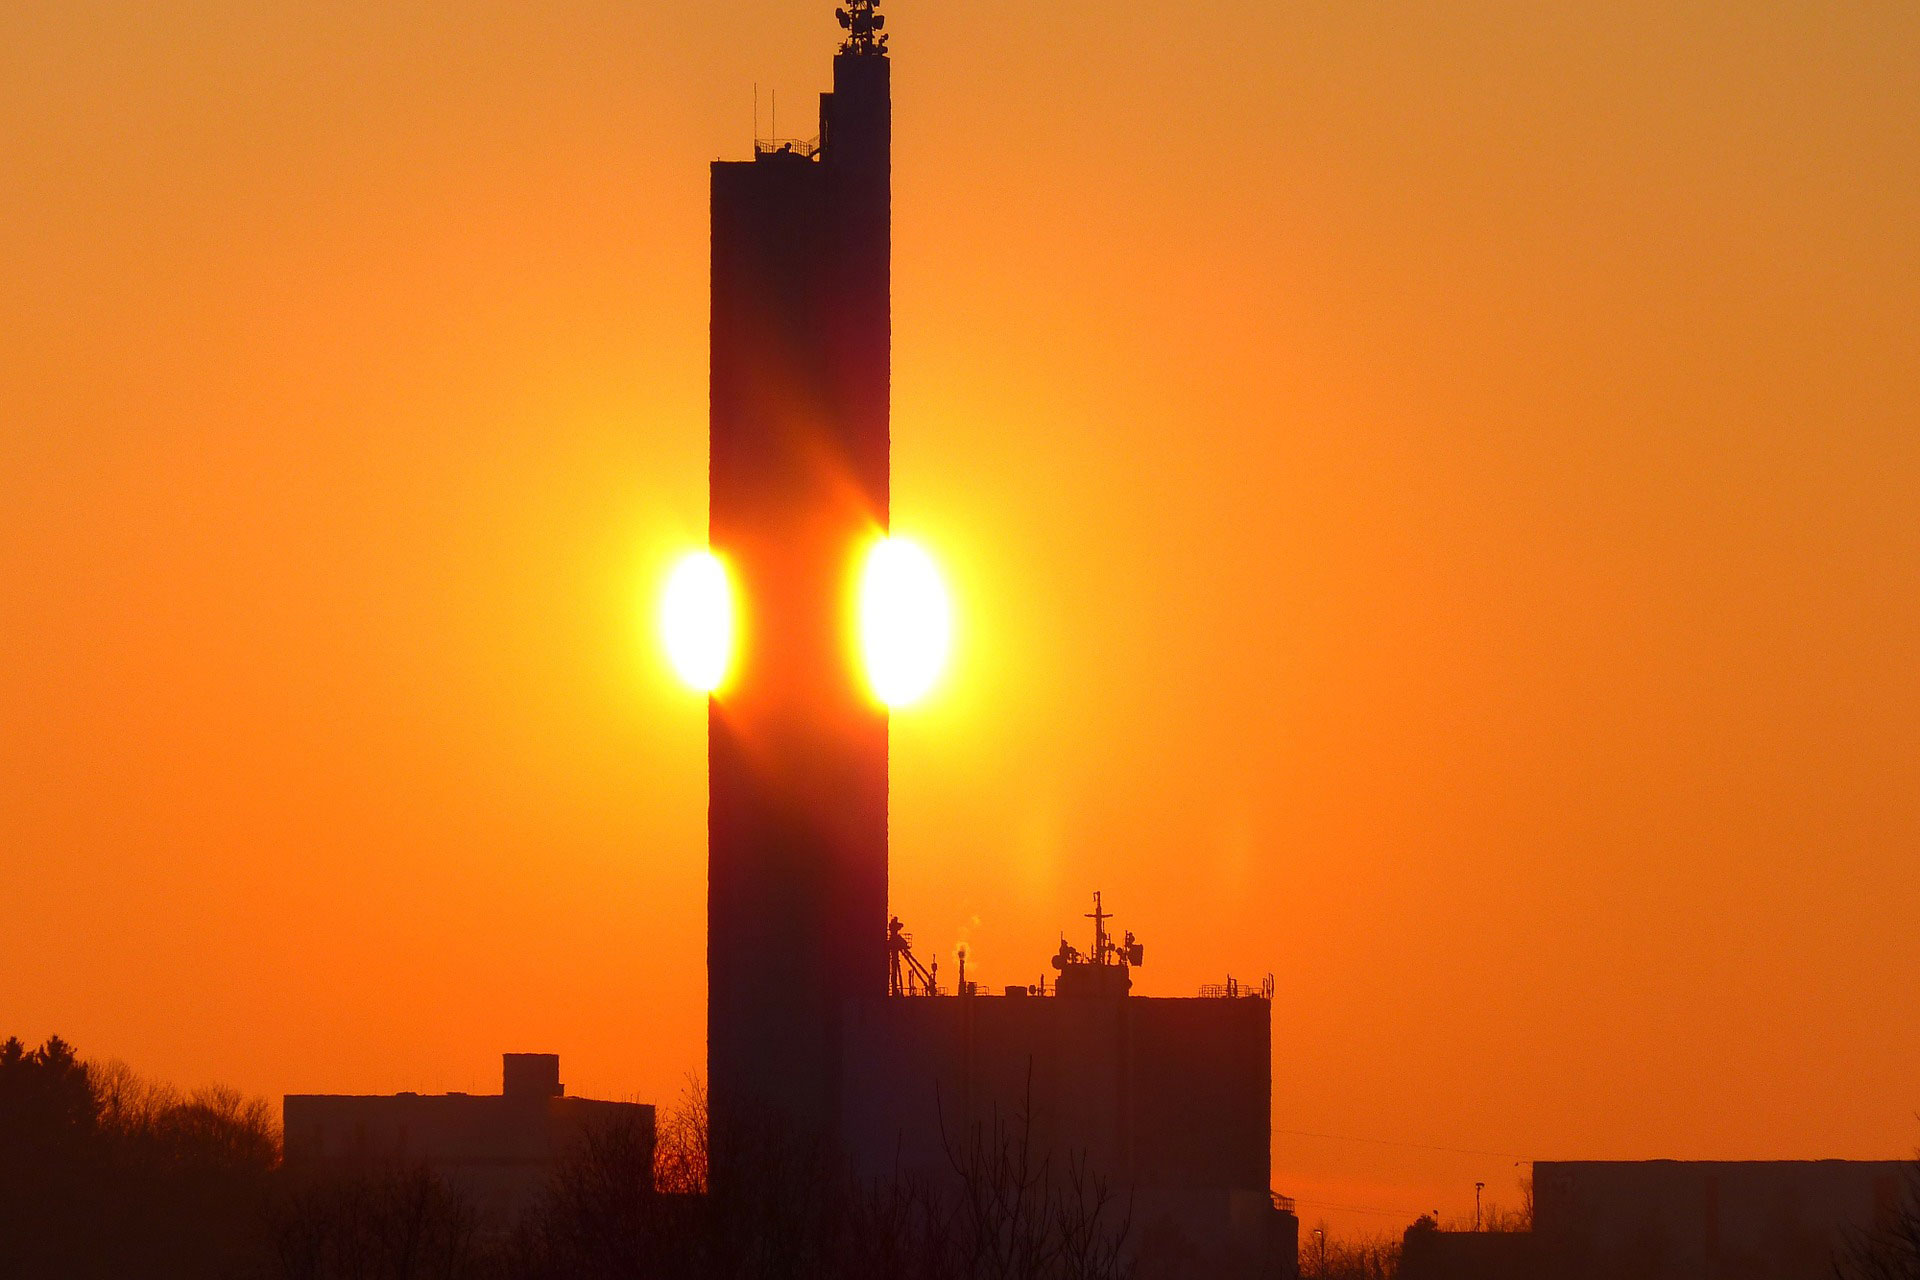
{"x":866,"y":29}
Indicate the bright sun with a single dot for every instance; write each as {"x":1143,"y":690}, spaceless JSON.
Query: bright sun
{"x":905,"y":621}
{"x":696,"y":620}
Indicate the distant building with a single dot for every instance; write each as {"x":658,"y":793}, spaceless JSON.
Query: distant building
{"x":1669,"y":1219}
{"x":1430,"y":1253}
{"x":498,"y":1150}
{"x":1755,"y":1219}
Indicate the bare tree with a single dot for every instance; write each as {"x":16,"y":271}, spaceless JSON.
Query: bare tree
{"x":1019,"y":1216}
{"x":604,"y":1217}
{"x":1889,"y":1250}
{"x":383,"y":1224}
{"x":680,"y":1151}
{"x":789,"y":1209}
{"x":1364,"y":1258}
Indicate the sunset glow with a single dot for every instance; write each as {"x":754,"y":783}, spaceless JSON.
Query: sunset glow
{"x":696,"y":620}
{"x":906,"y":621}
{"x":1420,"y":501}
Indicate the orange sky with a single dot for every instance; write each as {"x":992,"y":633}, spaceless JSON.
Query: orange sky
{"x":1432,"y":495}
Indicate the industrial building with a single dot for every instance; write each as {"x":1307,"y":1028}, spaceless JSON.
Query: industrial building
{"x":816,"y":1034}
{"x":1763,"y":1219}
{"x":1165,"y":1098}
{"x":1669,"y":1219}
{"x":496,"y":1150}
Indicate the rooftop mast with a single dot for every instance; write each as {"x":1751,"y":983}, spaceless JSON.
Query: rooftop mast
{"x":866,"y":30}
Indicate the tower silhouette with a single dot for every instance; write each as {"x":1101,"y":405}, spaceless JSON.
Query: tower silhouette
{"x":797,"y":746}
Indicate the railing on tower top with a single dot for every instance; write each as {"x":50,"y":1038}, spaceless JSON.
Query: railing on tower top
{"x":805,"y":148}
{"x":1234,"y":989}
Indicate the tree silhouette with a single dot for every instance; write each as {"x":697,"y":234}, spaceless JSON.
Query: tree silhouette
{"x":106,"y":1174}
{"x":1889,"y":1250}
{"x":399,"y":1223}
{"x":1007,"y":1212}
{"x":103,"y":1174}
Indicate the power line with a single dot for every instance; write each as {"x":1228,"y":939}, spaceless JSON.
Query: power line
{"x":1360,"y":1208}
{"x":1390,"y":1142}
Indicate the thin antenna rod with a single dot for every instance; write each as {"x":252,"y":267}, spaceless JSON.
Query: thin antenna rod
{"x":773,"y":126}
{"x":756,"y":111}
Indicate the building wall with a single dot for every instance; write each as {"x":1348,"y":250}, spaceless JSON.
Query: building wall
{"x":1169,"y":1092}
{"x":797,"y":747}
{"x":1166,"y":1098}
{"x":1755,"y":1220}
{"x":1431,"y":1254}
{"x":498,"y":1151}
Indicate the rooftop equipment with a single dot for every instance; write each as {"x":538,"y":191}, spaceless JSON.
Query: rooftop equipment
{"x":1105,"y":971}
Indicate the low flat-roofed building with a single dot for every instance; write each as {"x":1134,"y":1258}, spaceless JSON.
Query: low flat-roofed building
{"x":497,"y":1150}
{"x":1166,"y":1099}
{"x":1668,"y":1219}
{"x":1429,"y":1252}
{"x":1755,"y":1219}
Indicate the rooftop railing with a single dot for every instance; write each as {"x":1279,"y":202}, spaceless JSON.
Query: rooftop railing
{"x":804,"y":148}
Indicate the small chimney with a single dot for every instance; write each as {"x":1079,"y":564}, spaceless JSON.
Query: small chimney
{"x":530,"y":1075}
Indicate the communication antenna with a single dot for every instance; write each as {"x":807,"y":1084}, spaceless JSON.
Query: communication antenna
{"x":756,"y":111}
{"x":866,"y":30}
{"x":1099,"y":917}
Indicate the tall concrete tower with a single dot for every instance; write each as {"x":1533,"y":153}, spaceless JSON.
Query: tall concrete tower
{"x":797,"y":746}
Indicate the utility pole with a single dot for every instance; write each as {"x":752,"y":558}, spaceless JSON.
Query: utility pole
{"x":1478,"y":1187}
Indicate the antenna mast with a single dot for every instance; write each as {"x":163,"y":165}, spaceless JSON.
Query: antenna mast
{"x":866,"y":30}
{"x":1099,"y":918}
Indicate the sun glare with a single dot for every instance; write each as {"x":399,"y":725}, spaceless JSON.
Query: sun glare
{"x":696,"y":620}
{"x":905,"y":621}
